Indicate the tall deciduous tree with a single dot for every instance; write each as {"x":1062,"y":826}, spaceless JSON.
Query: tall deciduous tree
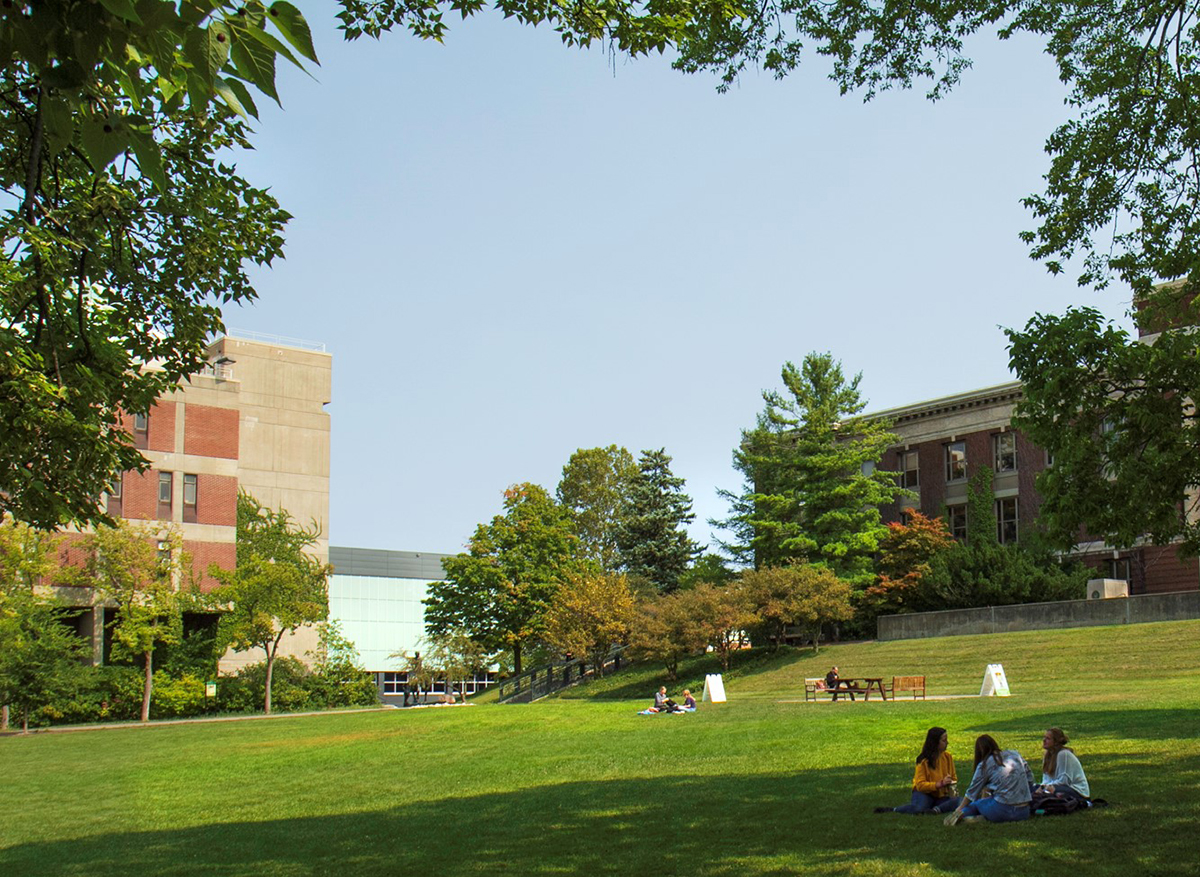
{"x":652,"y":534}
{"x":591,"y":613}
{"x":276,"y":588}
{"x":595,"y":486}
{"x":38,"y":653}
{"x":123,"y":231}
{"x":1118,"y":418}
{"x":812,"y":492}
{"x":500,"y":590}
{"x":139,"y":567}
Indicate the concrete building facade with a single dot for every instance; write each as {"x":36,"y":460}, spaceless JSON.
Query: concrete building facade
{"x":254,"y":419}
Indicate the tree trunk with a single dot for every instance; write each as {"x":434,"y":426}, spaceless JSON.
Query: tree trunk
{"x":4,"y":718}
{"x":267,"y":691}
{"x":25,"y":720}
{"x":516,"y":659}
{"x":148,"y":686}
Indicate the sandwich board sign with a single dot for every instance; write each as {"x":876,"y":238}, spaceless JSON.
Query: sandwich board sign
{"x":994,"y":682}
{"x":714,"y":688}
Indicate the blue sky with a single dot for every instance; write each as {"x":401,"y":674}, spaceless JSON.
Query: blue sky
{"x":514,"y":249}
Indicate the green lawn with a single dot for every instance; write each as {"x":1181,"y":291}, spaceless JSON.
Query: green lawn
{"x":762,"y":785}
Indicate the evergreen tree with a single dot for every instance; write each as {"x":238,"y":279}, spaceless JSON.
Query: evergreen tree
{"x":652,"y":532}
{"x":812,"y":492}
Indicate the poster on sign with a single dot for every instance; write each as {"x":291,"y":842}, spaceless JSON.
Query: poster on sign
{"x":994,"y":682}
{"x":714,"y":688}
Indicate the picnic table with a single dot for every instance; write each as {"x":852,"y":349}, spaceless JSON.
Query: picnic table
{"x":853,"y":685}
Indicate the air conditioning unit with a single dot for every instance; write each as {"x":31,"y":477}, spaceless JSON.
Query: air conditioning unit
{"x":1102,"y":589}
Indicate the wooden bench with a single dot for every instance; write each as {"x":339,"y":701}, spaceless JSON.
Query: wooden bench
{"x":915,"y":684}
{"x":813,"y":687}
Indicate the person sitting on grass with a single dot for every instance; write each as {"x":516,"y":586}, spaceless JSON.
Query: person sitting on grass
{"x":689,"y":702}
{"x":664,"y":704}
{"x":1062,"y":774}
{"x":1006,"y":775}
{"x":933,"y":780}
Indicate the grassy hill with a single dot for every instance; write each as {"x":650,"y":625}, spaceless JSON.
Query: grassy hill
{"x":762,"y":785}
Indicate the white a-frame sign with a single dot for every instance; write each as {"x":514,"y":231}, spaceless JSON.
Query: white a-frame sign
{"x":994,"y":682}
{"x":714,"y":688}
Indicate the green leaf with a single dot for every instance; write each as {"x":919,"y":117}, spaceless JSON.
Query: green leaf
{"x":58,"y":123}
{"x":122,"y":9}
{"x":225,"y":92}
{"x":243,"y":94}
{"x":255,"y":63}
{"x":270,"y":42}
{"x":207,"y":49}
{"x":149,"y":157}
{"x":68,"y":75}
{"x":103,"y":138}
{"x":294,"y":28}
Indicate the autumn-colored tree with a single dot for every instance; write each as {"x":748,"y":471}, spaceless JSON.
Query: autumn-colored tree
{"x":721,"y":617}
{"x":665,"y":631}
{"x":905,"y":555}
{"x":591,"y":612}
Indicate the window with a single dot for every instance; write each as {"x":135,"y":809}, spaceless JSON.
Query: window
{"x":189,"y":499}
{"x":867,"y":468}
{"x":1006,"y":520}
{"x":164,"y":552}
{"x":909,"y":470}
{"x":906,"y":517}
{"x":1118,"y":568}
{"x":115,"y":497}
{"x":1005,"y":447}
{"x":166,"y":484}
{"x":956,"y":461}
{"x":141,"y":430}
{"x":393,"y":683}
{"x":956,"y":521}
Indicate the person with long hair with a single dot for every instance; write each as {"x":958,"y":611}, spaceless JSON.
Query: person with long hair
{"x":934,"y":779}
{"x":1062,"y":774}
{"x":1006,"y":775}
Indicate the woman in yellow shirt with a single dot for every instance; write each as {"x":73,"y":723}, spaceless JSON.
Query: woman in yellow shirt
{"x":934,"y":780}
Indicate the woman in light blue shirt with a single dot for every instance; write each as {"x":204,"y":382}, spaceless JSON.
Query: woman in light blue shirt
{"x":1062,"y":774}
{"x":1003,"y":772}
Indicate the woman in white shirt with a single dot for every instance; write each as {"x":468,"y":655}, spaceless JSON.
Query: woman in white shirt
{"x":1062,"y":774}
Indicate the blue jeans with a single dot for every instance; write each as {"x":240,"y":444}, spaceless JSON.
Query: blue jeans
{"x":922,"y":803}
{"x":993,"y":811}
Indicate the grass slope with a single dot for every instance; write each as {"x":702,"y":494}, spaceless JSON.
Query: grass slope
{"x":762,"y":785}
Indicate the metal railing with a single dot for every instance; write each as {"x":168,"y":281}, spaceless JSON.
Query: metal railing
{"x":279,"y":340}
{"x":541,"y":681}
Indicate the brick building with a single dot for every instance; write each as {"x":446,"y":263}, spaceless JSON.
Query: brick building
{"x":253,"y":420}
{"x":946,"y":441}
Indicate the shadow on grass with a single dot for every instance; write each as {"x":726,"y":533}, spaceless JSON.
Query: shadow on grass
{"x":811,"y":822}
{"x":1132,"y":724}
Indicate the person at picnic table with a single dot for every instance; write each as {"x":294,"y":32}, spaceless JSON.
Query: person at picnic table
{"x":1062,"y":774}
{"x":934,"y":779}
{"x":1006,"y":775}
{"x":662,"y":703}
{"x":834,"y":683}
